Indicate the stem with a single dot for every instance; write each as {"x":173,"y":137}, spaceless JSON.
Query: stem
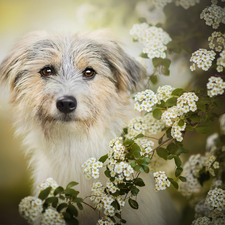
{"x":160,"y":145}
{"x":89,"y":205}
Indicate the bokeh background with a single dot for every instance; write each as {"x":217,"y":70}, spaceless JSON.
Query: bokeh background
{"x":18,"y":17}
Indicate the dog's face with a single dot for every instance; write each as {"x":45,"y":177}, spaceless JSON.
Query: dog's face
{"x":68,"y":78}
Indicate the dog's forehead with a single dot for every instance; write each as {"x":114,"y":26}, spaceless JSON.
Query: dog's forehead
{"x":70,"y":46}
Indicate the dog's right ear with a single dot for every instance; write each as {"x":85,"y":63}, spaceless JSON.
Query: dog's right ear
{"x":12,"y":66}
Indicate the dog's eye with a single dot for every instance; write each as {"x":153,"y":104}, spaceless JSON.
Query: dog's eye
{"x":89,"y":72}
{"x":47,"y":71}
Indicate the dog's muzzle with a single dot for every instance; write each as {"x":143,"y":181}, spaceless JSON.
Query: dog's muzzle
{"x":66,"y":104}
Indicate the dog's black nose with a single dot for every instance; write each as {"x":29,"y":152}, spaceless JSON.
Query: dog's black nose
{"x":66,"y":104}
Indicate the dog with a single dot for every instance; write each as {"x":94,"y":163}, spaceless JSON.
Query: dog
{"x":70,"y":95}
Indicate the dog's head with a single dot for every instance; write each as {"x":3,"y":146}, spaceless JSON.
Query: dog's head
{"x":68,"y":78}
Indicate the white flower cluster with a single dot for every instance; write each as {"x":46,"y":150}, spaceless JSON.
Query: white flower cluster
{"x":186,"y":3}
{"x":160,"y":3}
{"x":216,"y":199}
{"x":146,"y":146}
{"x":91,"y":168}
{"x":164,"y":93}
{"x":101,"y":200}
{"x":171,"y":117}
{"x":118,"y":149}
{"x":30,"y":208}
{"x":105,"y":221}
{"x":145,"y":100}
{"x":161,"y":180}
{"x":154,"y":39}
{"x":217,"y":41}
{"x":215,"y":86}
{"x":52,"y":217}
{"x":202,"y":221}
{"x":191,"y":172}
{"x":48,"y":183}
{"x":202,"y":58}
{"x":221,"y":62}
{"x":213,"y":15}
{"x":144,"y":125}
{"x":120,"y":170}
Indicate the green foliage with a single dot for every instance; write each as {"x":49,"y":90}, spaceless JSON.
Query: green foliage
{"x":133,"y":204}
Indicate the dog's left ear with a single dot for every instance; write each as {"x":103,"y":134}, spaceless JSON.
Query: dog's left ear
{"x":128,"y":72}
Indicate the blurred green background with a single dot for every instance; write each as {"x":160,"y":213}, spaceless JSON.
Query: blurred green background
{"x":19,"y":17}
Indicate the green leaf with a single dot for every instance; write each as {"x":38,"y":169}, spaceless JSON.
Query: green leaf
{"x":139,"y":168}
{"x":123,"y":221}
{"x":80,"y":206}
{"x":118,"y":215}
{"x":103,"y":158}
{"x":156,"y":62}
{"x":132,"y":163}
{"x":78,"y":200}
{"x":177,"y":91}
{"x":129,"y":156}
{"x":116,"y":205}
{"x":139,"y":136}
{"x":143,"y":161}
{"x":162,"y":152}
{"x":187,"y":49}
{"x":128,"y":142}
{"x":142,"y":20}
{"x":125,"y":130}
{"x":72,"y":221}
{"x":66,"y":215}
{"x":165,"y":71}
{"x":73,"y":210}
{"x":170,"y":157}
{"x":177,"y":161}
{"x":172,"y":148}
{"x":183,"y":179}
{"x":71,"y":192}
{"x":71,"y":184}
{"x":51,"y":200}
{"x":157,"y":113}
{"x":136,"y":154}
{"x":145,"y":168}
{"x":61,"y":206}
{"x":139,"y":182}
{"x":178,"y":171}
{"x":171,"y":102}
{"x":134,"y":190}
{"x":190,"y":128}
{"x":58,"y":190}
{"x":154,"y":79}
{"x":181,"y":123}
{"x":168,"y":132}
{"x":203,"y":129}
{"x":174,"y":46}
{"x":62,"y":197}
{"x":44,"y":194}
{"x":144,"y":55}
{"x":181,"y":150}
{"x":107,"y":173}
{"x":166,"y":63}
{"x":175,"y":184}
{"x":195,"y":118}
{"x":133,"y":204}
{"x":135,"y":148}
{"x":201,"y":106}
{"x":218,"y":102}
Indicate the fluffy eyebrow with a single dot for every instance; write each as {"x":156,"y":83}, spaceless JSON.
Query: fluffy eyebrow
{"x":44,"y":47}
